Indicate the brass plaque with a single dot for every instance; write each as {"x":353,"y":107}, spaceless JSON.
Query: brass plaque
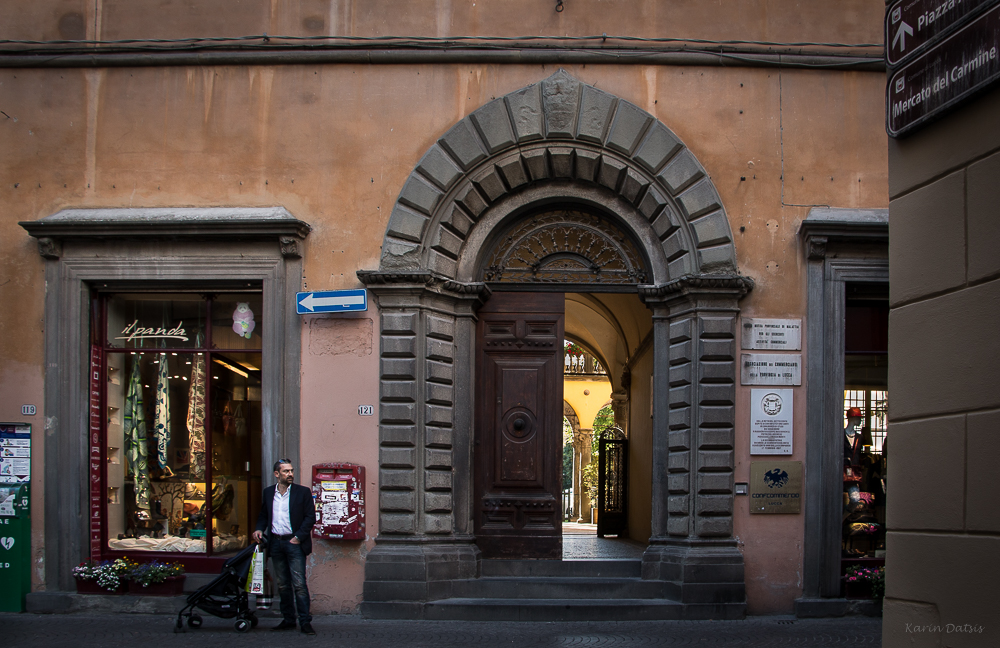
{"x":775,"y":487}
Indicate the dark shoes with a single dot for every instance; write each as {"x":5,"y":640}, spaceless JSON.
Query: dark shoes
{"x":307,"y":628}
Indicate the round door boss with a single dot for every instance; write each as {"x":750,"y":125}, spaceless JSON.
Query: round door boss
{"x":518,"y":423}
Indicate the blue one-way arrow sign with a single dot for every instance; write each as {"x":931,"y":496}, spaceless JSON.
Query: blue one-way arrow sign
{"x":331,"y":301}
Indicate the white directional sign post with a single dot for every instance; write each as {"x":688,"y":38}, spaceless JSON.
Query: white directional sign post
{"x":331,"y":301}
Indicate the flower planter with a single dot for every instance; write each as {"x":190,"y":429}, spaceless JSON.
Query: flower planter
{"x":173,"y":586}
{"x":91,"y":587}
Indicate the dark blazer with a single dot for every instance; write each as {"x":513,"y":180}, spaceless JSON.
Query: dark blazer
{"x":301,"y":510}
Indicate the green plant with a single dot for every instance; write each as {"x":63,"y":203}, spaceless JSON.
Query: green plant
{"x":589,"y":477}
{"x":573,"y":349}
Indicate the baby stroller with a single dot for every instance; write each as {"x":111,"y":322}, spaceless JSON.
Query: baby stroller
{"x":224,"y":597}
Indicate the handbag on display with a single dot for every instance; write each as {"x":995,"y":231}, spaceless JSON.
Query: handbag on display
{"x":852,"y":474}
{"x":859,"y":501}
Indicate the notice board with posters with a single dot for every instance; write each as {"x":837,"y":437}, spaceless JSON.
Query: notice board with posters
{"x":15,"y":453}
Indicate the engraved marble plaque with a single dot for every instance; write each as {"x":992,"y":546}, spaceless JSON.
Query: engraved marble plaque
{"x":772,"y":334}
{"x":771,"y":421}
{"x":771,"y":368}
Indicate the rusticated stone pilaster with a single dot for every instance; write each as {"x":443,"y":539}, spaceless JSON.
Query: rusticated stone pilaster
{"x":693,"y":425}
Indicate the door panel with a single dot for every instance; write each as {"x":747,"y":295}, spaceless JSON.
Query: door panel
{"x":519,"y":426}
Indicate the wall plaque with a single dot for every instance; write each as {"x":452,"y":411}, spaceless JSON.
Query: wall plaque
{"x":770,"y":421}
{"x":771,"y":369}
{"x":775,"y":487}
{"x":772,"y":334}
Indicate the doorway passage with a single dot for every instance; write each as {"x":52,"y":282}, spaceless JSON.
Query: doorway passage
{"x":555,"y":372}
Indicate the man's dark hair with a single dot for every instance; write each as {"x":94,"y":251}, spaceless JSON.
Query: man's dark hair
{"x":277,"y":464}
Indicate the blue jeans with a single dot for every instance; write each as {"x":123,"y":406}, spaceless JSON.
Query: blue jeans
{"x":290,"y":572}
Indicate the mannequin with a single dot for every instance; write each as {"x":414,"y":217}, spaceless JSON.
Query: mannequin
{"x":852,"y":436}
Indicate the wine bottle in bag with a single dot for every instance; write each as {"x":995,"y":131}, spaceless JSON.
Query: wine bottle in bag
{"x":266,"y":598}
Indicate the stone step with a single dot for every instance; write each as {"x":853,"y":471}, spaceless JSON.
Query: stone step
{"x":562,"y":568}
{"x":576,"y":609}
{"x":557,"y":587}
{"x":464,"y":609}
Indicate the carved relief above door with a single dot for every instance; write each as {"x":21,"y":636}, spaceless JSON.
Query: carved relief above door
{"x":518,"y":436}
{"x":566,"y":246}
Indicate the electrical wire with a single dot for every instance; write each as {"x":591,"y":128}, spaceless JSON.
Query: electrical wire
{"x":436,"y":42}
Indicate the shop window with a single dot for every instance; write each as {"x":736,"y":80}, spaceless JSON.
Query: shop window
{"x":874,"y":406}
{"x":181,"y":438}
{"x":865,"y":409}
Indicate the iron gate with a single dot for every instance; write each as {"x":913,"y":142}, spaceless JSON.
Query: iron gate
{"x":612,"y":484}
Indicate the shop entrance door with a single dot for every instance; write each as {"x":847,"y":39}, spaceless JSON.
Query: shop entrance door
{"x":518,"y":431}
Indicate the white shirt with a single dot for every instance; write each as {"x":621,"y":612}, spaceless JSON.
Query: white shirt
{"x":281,"y":522}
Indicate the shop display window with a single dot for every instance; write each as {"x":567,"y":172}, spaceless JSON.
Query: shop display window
{"x":181,"y":389}
{"x":865,"y":412}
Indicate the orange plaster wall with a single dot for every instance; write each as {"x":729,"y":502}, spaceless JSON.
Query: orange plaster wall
{"x":772,"y":545}
{"x":334,"y":144}
{"x":340,"y":372}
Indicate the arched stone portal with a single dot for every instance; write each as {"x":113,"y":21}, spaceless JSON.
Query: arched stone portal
{"x":558,"y":144}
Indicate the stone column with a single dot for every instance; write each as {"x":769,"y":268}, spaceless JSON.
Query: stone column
{"x":427,"y":336}
{"x":694,"y":385}
{"x":583,"y":444}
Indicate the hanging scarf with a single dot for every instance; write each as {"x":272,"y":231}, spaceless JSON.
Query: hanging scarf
{"x":135,"y":438}
{"x":162,"y":427}
{"x":196,"y":417}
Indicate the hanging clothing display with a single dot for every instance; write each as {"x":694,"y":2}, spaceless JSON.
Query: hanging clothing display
{"x":136,"y":449}
{"x":162,"y":427}
{"x":196,"y":417}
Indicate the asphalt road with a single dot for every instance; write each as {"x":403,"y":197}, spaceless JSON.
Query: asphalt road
{"x":146,"y":631}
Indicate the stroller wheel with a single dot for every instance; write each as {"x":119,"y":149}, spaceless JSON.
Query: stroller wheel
{"x":242,"y":625}
{"x":253,"y":620}
{"x":194,"y":621}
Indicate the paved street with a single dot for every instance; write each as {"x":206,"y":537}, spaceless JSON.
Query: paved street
{"x":129,"y":630}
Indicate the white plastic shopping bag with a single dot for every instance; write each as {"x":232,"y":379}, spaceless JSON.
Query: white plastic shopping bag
{"x":255,"y":579}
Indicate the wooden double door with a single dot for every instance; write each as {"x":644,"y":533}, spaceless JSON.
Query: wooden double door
{"x":518,"y":427}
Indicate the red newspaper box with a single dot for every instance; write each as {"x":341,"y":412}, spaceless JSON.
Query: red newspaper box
{"x":339,"y":494}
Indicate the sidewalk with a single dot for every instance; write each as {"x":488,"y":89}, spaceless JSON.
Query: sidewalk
{"x":126,"y":630}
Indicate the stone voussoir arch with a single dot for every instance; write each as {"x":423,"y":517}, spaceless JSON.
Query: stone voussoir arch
{"x":559,"y":129}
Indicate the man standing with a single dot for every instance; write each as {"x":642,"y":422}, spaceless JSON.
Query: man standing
{"x":287,"y":510}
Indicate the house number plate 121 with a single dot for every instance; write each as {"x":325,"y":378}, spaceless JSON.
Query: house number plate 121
{"x":366,"y":410}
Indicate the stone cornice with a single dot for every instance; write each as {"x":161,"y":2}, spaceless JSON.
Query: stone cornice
{"x":164,"y":223}
{"x":826,"y":226}
{"x":376,"y":280}
{"x":731,"y":285}
{"x":373,"y":278}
